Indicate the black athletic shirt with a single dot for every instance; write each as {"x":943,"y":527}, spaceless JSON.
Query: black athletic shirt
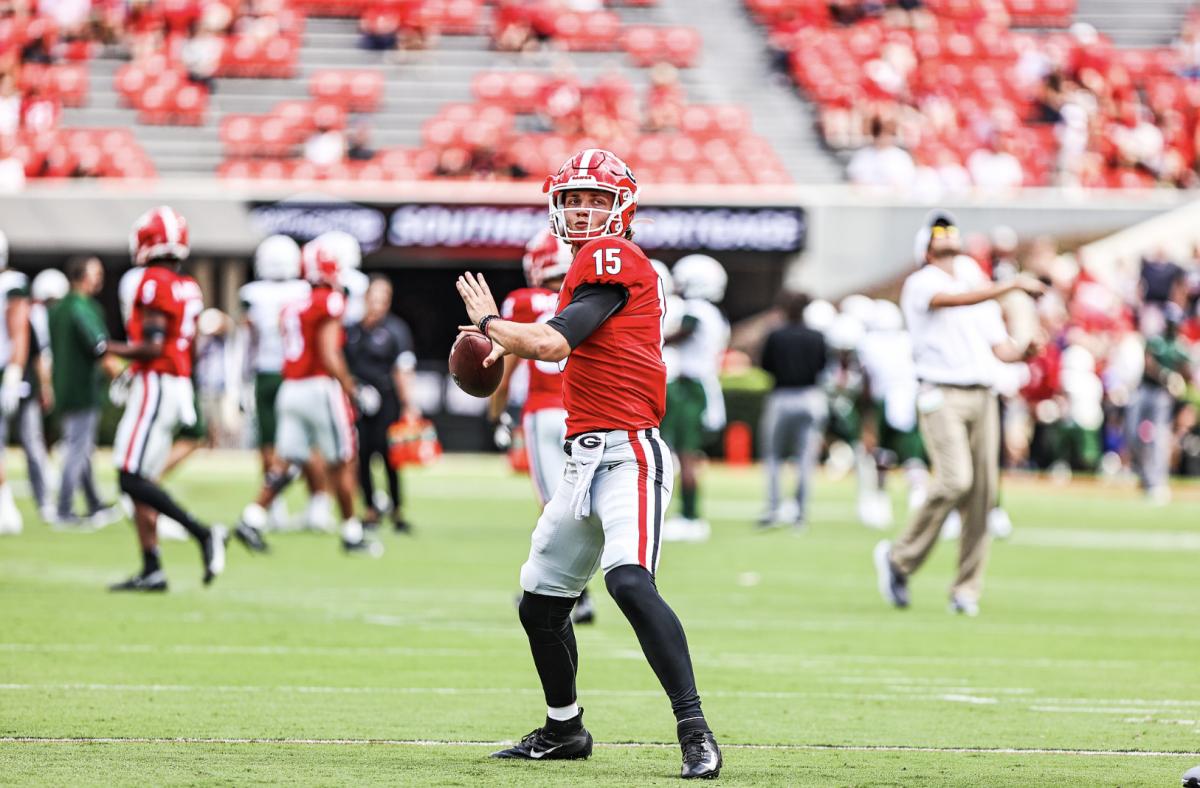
{"x":794,"y":355}
{"x":372,"y":353}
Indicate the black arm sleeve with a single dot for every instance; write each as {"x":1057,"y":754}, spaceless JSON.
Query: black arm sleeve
{"x":590,"y":306}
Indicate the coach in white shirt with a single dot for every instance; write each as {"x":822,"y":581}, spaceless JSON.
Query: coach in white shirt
{"x":958,"y":334}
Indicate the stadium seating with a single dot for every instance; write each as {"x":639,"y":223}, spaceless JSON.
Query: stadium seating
{"x":963,"y":79}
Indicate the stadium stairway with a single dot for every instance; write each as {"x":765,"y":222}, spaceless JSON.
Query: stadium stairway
{"x":1144,"y":23}
{"x":416,"y":86}
{"x":735,"y":68}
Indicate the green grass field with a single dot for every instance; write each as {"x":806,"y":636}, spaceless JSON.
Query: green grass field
{"x":308,"y":667}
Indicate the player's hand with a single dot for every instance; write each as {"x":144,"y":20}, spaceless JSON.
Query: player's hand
{"x":12,"y":388}
{"x":1029,"y":284}
{"x":476,"y":296}
{"x":118,"y":390}
{"x":502,"y":436}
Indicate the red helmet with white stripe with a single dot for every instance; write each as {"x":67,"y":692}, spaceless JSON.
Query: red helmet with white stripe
{"x":160,"y":233}
{"x":320,"y":264}
{"x":599,"y":170}
{"x":546,"y":257}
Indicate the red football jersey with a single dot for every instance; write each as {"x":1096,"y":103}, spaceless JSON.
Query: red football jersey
{"x":536,"y":305}
{"x":178,"y":297}
{"x":299,"y":322}
{"x":616,"y":379}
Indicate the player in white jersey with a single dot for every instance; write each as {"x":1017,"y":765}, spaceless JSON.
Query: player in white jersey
{"x":885,"y":353}
{"x":278,"y":283}
{"x":14,"y":354}
{"x":695,"y":404}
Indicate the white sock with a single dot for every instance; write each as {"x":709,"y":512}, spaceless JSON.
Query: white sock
{"x":319,"y":514}
{"x":352,"y":530}
{"x":562,"y":713}
{"x":254,"y":516}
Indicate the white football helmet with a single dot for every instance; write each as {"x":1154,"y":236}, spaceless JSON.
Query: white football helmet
{"x":846,"y":333}
{"x":886,"y":317}
{"x":664,"y":273}
{"x":344,"y":247}
{"x":819,"y":315}
{"x":49,"y":285}
{"x":277,"y":259}
{"x":700,"y":276}
{"x":860,"y":306}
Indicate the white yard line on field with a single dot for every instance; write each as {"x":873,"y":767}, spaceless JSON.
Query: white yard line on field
{"x":621,"y":745}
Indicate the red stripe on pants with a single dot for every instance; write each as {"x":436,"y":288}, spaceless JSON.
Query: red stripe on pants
{"x":137,"y":423}
{"x":643,"y":476}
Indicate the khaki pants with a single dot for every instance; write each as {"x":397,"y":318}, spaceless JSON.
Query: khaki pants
{"x":961,"y":429}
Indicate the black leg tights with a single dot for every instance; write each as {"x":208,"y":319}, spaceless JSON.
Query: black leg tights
{"x":547,"y":622}
{"x":144,"y":491}
{"x":662,"y":638}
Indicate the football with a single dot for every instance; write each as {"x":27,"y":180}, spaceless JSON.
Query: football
{"x":466,"y":365}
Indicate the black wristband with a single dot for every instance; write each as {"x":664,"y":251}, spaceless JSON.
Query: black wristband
{"x":483,"y":323}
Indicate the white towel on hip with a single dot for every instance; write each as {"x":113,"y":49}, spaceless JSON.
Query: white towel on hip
{"x":587,"y":451}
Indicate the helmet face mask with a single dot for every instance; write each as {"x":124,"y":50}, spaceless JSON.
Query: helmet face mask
{"x":319,"y":264}
{"x":591,"y":171}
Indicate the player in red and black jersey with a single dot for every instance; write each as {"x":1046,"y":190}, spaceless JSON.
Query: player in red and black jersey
{"x":161,"y":330}
{"x":607,"y":511}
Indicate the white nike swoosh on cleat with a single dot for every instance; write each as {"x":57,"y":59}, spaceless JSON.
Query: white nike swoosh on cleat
{"x":537,"y":755}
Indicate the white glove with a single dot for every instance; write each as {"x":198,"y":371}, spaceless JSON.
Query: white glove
{"x":502,"y":437}
{"x":118,"y":390}
{"x":368,"y":400}
{"x":12,"y":389}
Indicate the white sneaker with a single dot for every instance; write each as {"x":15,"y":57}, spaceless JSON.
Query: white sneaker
{"x":675,"y":529}
{"x":698,"y":530}
{"x":998,"y":523}
{"x":278,"y":517}
{"x":964,"y":606}
{"x":952,"y":528}
{"x":875,"y":510}
{"x":319,"y":514}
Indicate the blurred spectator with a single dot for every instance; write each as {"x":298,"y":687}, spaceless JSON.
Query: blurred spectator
{"x":201,"y":56}
{"x":326,"y":146}
{"x":664,"y":99}
{"x":10,"y":106}
{"x":359,"y":143}
{"x":883,"y":163}
{"x":995,"y":168}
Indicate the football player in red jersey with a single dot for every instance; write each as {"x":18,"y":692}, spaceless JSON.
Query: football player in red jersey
{"x":543,"y":417}
{"x":161,"y":330}
{"x":316,"y":418}
{"x":607,"y":511}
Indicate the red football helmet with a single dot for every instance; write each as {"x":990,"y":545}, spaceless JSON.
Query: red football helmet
{"x":599,"y":170}
{"x":320,"y":264}
{"x":159,"y":233}
{"x":546,"y":257}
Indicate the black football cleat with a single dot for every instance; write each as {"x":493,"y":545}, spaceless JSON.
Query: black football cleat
{"x":147,"y":581}
{"x":213,"y":549}
{"x":1191,"y":778}
{"x":365,"y":546}
{"x":584,"y":611}
{"x":701,"y":756}
{"x":251,"y":537}
{"x":402,"y":526}
{"x":557,"y":741}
